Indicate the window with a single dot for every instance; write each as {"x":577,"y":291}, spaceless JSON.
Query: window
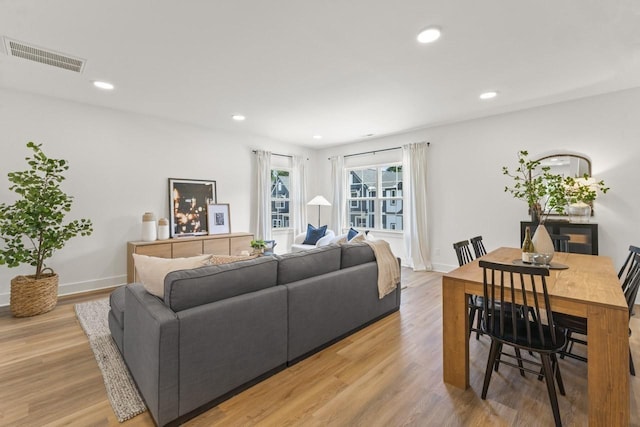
{"x":280,"y":187}
{"x":369,"y":208}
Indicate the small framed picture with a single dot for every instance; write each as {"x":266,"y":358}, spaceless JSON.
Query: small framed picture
{"x":188,"y":200}
{"x":219,"y":218}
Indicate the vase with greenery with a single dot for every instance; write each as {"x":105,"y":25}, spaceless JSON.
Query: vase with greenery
{"x":580,"y":194}
{"x":32,"y":229}
{"x":543,"y":191}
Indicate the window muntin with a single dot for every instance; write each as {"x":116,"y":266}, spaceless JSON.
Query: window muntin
{"x":280,"y":201}
{"x":369,"y":208}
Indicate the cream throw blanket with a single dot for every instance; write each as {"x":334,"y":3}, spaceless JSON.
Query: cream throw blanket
{"x":388,"y":268}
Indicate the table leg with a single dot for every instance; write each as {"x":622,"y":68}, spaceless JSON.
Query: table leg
{"x":455,"y":333}
{"x":608,"y":366}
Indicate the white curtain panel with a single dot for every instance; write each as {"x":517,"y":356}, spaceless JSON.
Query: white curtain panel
{"x":414,"y":166}
{"x":298,"y":195}
{"x":263,"y":188}
{"x":338,"y":199}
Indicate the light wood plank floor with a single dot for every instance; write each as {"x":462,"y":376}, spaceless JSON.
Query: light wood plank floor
{"x":389,"y":374}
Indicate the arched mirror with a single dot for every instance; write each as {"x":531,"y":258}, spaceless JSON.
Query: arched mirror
{"x":566,"y":165}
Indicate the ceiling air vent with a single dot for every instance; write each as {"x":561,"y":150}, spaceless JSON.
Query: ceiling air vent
{"x":43,"y":56}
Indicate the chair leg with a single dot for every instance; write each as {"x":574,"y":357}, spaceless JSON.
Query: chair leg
{"x":472,"y":314}
{"x":556,"y":368}
{"x":551,"y":388}
{"x":497,"y":361}
{"x":519,"y":357}
{"x":493,"y":355}
{"x":479,"y":323}
{"x":631,"y":367}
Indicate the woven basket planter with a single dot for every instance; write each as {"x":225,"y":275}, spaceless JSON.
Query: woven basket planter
{"x":30,"y":297}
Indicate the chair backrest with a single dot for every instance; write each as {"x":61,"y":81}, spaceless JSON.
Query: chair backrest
{"x":511,"y":291}
{"x":628,"y":266}
{"x":633,"y":283}
{"x":478,"y":246}
{"x":560,"y":242}
{"x":463,"y":252}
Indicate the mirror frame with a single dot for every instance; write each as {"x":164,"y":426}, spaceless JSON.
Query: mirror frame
{"x":578,"y":156}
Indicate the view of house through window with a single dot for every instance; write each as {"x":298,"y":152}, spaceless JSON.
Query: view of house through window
{"x":280,"y":185}
{"x":374,"y":197}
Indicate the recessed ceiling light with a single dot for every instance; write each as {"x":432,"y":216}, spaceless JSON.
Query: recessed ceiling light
{"x":488,"y":95}
{"x":317,"y":136}
{"x":238,"y":117}
{"x":103,"y":85}
{"x":429,"y":35}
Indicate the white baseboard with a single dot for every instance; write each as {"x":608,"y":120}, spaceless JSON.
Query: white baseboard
{"x":78,"y":287}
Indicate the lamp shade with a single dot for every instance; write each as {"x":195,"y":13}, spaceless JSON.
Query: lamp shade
{"x":319,"y":201}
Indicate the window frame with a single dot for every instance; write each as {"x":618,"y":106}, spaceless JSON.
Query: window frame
{"x":277,"y":215}
{"x":379,"y":200}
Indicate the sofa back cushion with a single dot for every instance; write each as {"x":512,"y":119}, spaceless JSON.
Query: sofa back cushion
{"x":313,"y":262}
{"x":190,"y":288}
{"x":355,"y":254}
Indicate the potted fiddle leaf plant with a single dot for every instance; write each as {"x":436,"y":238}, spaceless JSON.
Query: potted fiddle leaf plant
{"x":32,"y":229}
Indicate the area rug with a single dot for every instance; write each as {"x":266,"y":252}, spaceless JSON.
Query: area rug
{"x":121,"y":390}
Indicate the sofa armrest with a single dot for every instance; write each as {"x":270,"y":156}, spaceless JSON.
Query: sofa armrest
{"x":151,"y":334}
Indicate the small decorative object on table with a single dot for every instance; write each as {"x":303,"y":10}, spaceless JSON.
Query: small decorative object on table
{"x":163,"y":229}
{"x":258,"y":246}
{"x":149,"y":231}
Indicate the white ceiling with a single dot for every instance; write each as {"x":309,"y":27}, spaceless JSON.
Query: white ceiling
{"x":339,"y":68}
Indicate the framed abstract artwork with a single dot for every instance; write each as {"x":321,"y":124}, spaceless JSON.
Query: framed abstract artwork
{"x":188,"y":201}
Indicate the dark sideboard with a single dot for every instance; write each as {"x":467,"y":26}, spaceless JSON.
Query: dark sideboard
{"x":583,"y":236}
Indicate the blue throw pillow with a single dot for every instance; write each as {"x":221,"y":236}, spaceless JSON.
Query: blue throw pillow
{"x":314,"y":234}
{"x":351,"y":233}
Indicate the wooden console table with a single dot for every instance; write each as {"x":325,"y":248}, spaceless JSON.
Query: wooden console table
{"x":219,"y":244}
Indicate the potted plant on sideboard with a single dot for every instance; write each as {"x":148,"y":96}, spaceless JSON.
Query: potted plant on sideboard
{"x":258,"y":246}
{"x":32,"y":228}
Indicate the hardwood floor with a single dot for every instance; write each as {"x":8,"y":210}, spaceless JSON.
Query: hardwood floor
{"x":389,"y":374}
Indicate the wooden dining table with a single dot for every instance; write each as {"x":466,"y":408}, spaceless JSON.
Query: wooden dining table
{"x":588,"y":288}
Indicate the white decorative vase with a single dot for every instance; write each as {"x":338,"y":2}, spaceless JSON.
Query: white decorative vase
{"x":149,"y":231}
{"x":542,"y":242}
{"x":579,"y":212}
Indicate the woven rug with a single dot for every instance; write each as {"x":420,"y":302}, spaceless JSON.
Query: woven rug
{"x":121,"y":390}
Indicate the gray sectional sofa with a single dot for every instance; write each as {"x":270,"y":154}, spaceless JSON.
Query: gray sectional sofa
{"x":222,"y":328}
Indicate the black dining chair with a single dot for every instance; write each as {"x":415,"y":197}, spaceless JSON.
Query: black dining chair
{"x":463,"y":252}
{"x":478,"y":246}
{"x":508,"y":289}
{"x":578,"y":325}
{"x":560,"y":242}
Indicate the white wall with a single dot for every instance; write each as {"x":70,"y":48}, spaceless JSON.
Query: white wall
{"x":119,"y":165}
{"x":465,"y":183}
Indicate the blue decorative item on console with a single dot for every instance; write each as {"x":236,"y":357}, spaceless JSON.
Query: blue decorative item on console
{"x":314,"y":234}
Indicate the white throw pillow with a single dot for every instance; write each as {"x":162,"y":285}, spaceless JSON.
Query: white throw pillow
{"x":152,"y":270}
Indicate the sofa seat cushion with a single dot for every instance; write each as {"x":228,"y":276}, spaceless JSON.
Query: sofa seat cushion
{"x":190,"y":288}
{"x":313,"y":262}
{"x":116,"y":301}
